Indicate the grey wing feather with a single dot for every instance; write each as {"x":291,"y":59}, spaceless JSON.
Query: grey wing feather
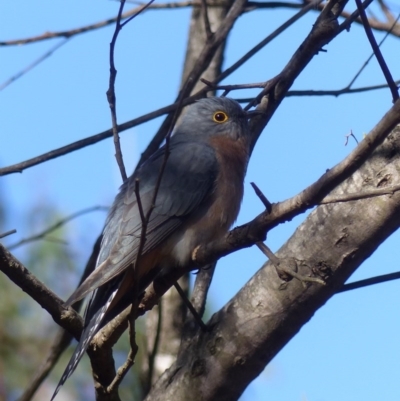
{"x":187,"y":180}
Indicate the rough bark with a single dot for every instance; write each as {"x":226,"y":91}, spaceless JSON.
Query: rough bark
{"x":267,"y":312}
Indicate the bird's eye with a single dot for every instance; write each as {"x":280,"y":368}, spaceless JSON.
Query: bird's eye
{"x":220,"y":117}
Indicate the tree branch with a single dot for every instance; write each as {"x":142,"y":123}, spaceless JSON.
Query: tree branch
{"x":377,"y":52}
{"x":55,"y":226}
{"x":252,"y":328}
{"x":20,"y":275}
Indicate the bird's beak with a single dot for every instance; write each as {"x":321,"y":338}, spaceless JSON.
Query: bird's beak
{"x":253,"y":113}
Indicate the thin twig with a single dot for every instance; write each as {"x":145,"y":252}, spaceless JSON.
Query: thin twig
{"x":233,"y":87}
{"x":201,"y":287}
{"x":203,"y":60}
{"x":19,"y":167}
{"x":145,"y":218}
{"x":141,"y":9}
{"x":33,"y":65}
{"x":280,"y":266}
{"x":7,"y":233}
{"x":56,"y":225}
{"x":360,"y":195}
{"x":348,"y":136}
{"x":372,"y":54}
{"x":333,"y":92}
{"x":262,"y":197}
{"x":250,"y":6}
{"x":121,"y":372}
{"x":369,"y":281}
{"x":111,"y":95}
{"x":189,"y":305}
{"x":159,"y":137}
{"x":377,"y":52}
{"x":267,"y":40}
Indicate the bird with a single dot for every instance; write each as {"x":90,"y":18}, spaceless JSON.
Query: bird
{"x":199,"y":178}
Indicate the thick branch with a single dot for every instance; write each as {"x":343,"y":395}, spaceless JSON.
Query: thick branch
{"x":20,"y":275}
{"x":256,"y":230}
{"x":254,"y":326}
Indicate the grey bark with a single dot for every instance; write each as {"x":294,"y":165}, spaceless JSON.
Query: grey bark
{"x":267,"y":312}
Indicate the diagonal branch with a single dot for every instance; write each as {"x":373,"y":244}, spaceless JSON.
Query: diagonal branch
{"x":20,"y":275}
{"x":254,"y":231}
{"x":33,"y":65}
{"x":55,"y":226}
{"x":377,"y":52}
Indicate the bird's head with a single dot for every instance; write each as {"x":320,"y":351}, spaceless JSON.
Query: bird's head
{"x":215,"y":116}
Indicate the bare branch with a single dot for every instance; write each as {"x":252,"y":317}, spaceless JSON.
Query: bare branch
{"x":55,"y":226}
{"x":97,"y":25}
{"x":62,"y":339}
{"x":360,"y":195}
{"x":7,"y":233}
{"x":262,"y":197}
{"x":377,"y":52}
{"x":33,"y":65}
{"x":20,"y":275}
{"x":369,"y":281}
{"x":111,"y":95}
{"x":256,"y":230}
{"x":111,"y":89}
{"x":287,"y":267}
{"x":159,"y":137}
{"x":337,"y":92}
{"x":372,"y":54}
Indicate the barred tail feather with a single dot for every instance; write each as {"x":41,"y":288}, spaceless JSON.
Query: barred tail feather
{"x":86,"y":337}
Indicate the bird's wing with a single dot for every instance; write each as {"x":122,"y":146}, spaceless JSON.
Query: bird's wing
{"x":187,"y":180}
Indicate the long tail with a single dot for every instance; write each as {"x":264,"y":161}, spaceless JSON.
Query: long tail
{"x":87,"y":335}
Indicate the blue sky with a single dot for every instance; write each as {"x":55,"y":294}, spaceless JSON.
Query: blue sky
{"x":349,"y":350}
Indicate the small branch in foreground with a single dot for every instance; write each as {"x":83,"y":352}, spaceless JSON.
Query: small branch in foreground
{"x":130,"y":360}
{"x":112,"y":101}
{"x":369,"y":281}
{"x":372,"y":54}
{"x":262,"y":197}
{"x":189,"y":305}
{"x":377,"y":52}
{"x":7,"y":233}
{"x":111,"y":95}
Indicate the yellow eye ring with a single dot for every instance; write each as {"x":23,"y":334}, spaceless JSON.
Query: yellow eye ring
{"x":220,"y":117}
